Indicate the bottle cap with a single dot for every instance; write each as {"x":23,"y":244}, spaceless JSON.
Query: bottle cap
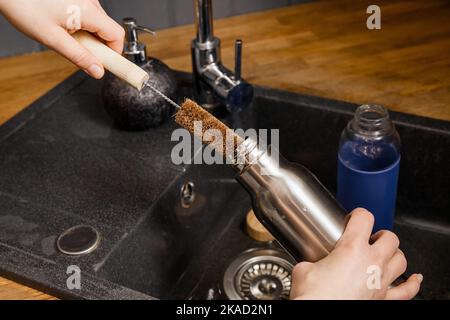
{"x":256,"y":230}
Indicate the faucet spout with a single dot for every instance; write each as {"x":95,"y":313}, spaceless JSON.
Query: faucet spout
{"x":204,"y":20}
{"x":214,"y":83}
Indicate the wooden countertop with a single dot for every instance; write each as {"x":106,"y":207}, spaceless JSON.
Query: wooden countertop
{"x":321,"y":48}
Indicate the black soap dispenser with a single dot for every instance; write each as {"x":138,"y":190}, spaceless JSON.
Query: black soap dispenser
{"x":133,"y":110}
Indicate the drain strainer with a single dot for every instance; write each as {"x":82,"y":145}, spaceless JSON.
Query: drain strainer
{"x":78,"y":240}
{"x":259,"y":274}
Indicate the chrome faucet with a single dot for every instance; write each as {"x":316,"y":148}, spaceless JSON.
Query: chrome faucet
{"x":215,"y":84}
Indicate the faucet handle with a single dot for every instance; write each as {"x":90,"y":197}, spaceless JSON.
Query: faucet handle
{"x":238,"y":59}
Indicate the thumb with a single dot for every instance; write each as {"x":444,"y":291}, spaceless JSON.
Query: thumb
{"x":71,"y":49}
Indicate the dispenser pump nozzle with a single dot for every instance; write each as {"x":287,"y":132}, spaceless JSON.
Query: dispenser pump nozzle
{"x":134,"y":50}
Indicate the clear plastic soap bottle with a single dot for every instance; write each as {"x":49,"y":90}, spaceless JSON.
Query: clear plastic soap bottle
{"x":368,"y":165}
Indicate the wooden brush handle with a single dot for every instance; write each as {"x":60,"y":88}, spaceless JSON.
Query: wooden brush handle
{"x":112,"y":61}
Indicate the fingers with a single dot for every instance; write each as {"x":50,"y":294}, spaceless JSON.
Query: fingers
{"x":300,"y":270}
{"x":97,"y":4}
{"x":67,"y":46}
{"x":407,"y":290}
{"x":96,"y":21}
{"x":359,"y":227}
{"x":385,"y":243}
{"x":395,"y":267}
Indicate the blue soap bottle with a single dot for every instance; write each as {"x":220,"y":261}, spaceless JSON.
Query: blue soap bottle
{"x":368,"y":165}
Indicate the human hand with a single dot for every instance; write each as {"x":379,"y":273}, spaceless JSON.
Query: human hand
{"x":357,"y":269}
{"x":51,"y":22}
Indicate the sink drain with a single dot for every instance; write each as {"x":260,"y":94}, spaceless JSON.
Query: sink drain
{"x":259,"y":274}
{"x":78,"y":240}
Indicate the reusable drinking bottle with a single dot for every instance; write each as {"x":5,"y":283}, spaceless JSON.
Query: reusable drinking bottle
{"x":291,"y":202}
{"x":368,"y":165}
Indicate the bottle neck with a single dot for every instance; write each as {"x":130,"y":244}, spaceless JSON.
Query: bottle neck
{"x":371,"y":121}
{"x":246,"y":154}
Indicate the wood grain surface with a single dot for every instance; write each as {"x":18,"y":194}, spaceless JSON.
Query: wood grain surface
{"x":321,"y":48}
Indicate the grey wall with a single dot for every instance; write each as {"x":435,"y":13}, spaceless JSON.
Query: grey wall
{"x":155,"y":14}
{"x":167,"y":13}
{"x":13,"y":42}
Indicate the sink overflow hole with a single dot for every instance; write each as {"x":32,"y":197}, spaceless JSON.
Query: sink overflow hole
{"x":187,"y":194}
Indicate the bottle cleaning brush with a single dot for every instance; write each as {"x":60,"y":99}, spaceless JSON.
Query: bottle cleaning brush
{"x":287,"y":198}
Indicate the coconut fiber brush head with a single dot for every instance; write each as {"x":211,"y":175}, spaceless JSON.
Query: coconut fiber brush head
{"x":190,"y":112}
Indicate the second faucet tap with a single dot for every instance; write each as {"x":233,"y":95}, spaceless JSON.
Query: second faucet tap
{"x":214,"y":83}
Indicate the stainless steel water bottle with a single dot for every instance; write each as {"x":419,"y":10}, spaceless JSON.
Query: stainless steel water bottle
{"x":290,"y":202}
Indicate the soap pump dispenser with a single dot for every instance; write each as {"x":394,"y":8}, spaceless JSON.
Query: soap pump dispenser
{"x":130,"y":109}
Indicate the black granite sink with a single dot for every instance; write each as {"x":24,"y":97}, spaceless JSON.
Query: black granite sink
{"x":63,"y":163}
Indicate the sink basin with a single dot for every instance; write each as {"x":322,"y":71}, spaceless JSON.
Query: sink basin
{"x":174,"y":248}
{"x":63,"y":163}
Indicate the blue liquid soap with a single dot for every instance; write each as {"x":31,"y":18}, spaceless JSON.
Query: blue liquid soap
{"x":368,"y":165}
